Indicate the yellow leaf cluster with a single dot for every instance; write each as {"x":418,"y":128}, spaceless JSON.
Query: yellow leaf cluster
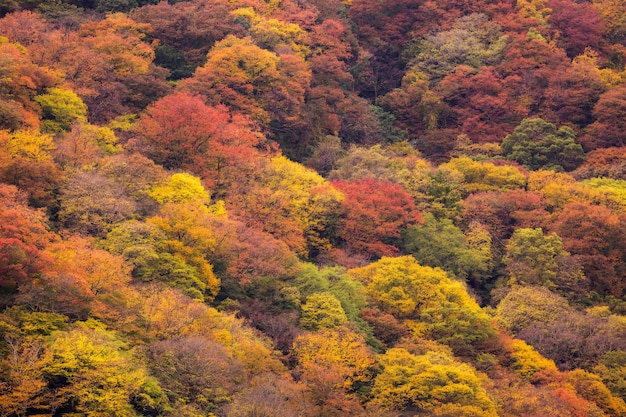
{"x":271,"y":33}
{"x":181,"y":188}
{"x":31,"y":145}
{"x":339,"y":349}
{"x":527,"y":361}
{"x":434,"y":383}
{"x":484,"y":176}
{"x":311,"y":201}
{"x":536,"y":9}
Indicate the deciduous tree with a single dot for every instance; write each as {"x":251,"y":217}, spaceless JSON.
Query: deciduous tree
{"x":474,"y":41}
{"x":533,"y":258}
{"x":186,"y":31}
{"x":579,"y":25}
{"x":595,"y":235}
{"x":608,"y":129}
{"x":92,"y":204}
{"x":24,"y":235}
{"x":322,"y":311}
{"x":523,"y":306}
{"x":60,"y":109}
{"x":434,"y":383}
{"x":409,"y":291}
{"x":181,"y":132}
{"x":439,"y":243}
{"x":537,"y":144}
{"x":92,"y":374}
{"x":251,"y":80}
{"x":196,"y":371}
{"x":373,"y":214}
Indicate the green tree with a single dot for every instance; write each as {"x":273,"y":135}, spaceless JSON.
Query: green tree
{"x":60,"y":109}
{"x":532,"y":258}
{"x":439,"y":243}
{"x":612,"y":370}
{"x":332,"y":280}
{"x":538,"y":144}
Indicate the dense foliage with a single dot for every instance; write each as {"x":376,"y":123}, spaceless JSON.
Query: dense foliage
{"x":318,"y":208}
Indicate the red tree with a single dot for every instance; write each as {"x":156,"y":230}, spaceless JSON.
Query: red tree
{"x":578,"y":24}
{"x":23,"y":236}
{"x":603,"y":162}
{"x":597,"y":237}
{"x":485,"y":109}
{"x":504,"y":212}
{"x":181,"y":132}
{"x":571,"y":96}
{"x":527,"y":68}
{"x":373,"y":214}
{"x":609,"y":129}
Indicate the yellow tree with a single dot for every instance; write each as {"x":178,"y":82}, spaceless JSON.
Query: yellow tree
{"x":559,"y":189}
{"x":339,"y":349}
{"x":484,"y":176}
{"x":612,"y":13}
{"x":273,"y":33}
{"x":22,"y":382}
{"x":434,"y":383}
{"x":333,"y":363}
{"x":535,"y":9}
{"x":188,"y":239}
{"x":526,"y":360}
{"x":180,"y":188}
{"x":311,"y":201}
{"x":322,"y":311}
{"x":26,"y":162}
{"x":525,"y":305}
{"x":251,"y":80}
{"x":184,"y":235}
{"x":94,"y":374}
{"x":30,"y":145}
{"x":60,"y":109}
{"x":427,"y":299}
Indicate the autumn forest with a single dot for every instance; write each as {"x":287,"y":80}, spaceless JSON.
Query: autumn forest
{"x":313,"y":208}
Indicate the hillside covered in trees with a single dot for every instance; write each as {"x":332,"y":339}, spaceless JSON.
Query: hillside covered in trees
{"x":313,"y":208}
